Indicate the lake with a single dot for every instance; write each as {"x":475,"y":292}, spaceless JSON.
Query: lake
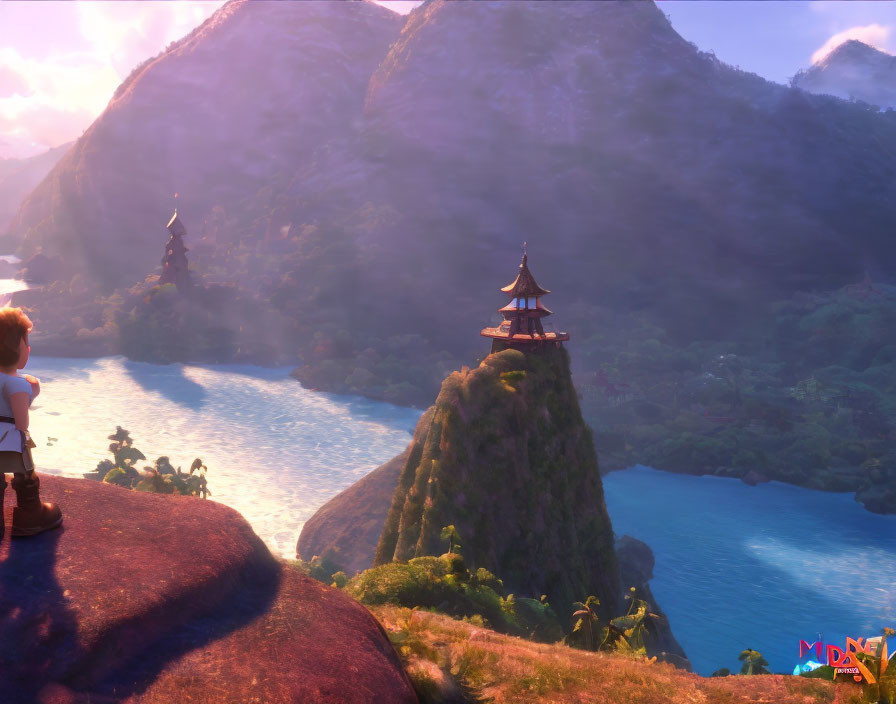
{"x":757,"y":567}
{"x":275,"y":451}
{"x":736,"y":566}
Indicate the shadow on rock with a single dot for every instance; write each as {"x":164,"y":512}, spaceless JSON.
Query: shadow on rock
{"x":244,"y":605}
{"x":38,"y":629}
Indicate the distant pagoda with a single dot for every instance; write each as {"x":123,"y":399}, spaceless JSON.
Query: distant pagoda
{"x":522,"y":328}
{"x":174,"y":263}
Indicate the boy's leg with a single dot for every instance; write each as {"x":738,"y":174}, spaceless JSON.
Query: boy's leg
{"x":2,"y":494}
{"x":32,"y":516}
{"x":9,"y":462}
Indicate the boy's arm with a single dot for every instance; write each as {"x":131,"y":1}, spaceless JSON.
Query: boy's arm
{"x":19,"y":402}
{"x":35,"y":384}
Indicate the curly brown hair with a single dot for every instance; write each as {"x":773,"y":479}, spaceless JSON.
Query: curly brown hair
{"x":14,"y":327}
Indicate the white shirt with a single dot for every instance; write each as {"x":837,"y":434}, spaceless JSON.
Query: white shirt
{"x":10,"y":436}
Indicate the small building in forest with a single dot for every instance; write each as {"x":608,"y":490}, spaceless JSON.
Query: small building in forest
{"x":522,"y":327}
{"x":174,"y":262}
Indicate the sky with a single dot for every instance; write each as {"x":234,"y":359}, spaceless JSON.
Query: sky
{"x":60,"y":62}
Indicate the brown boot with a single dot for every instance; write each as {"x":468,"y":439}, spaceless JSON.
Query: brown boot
{"x":31,"y":516}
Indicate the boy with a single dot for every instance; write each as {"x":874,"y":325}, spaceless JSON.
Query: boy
{"x":31,"y":516}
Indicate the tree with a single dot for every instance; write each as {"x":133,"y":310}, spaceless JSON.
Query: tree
{"x":450,"y":534}
{"x":586,"y":630}
{"x":122,"y":448}
{"x":627,"y":633}
{"x":753,"y":663}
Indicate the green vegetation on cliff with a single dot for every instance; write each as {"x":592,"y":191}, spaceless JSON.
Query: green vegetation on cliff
{"x":509,"y":461}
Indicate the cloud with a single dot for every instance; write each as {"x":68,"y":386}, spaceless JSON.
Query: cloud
{"x":129,"y":32}
{"x":12,"y":82}
{"x":876,"y":35}
{"x":44,"y":103}
{"x":50,"y":92}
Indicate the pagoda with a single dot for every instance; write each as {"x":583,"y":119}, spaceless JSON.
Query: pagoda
{"x":174,"y":263}
{"x":522,"y":328}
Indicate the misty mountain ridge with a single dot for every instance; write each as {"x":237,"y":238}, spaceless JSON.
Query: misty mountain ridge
{"x":18,"y":177}
{"x":853,"y":71}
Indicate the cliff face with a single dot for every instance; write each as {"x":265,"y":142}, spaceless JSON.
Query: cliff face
{"x":854,"y":71}
{"x":636,"y":570}
{"x":506,"y":458}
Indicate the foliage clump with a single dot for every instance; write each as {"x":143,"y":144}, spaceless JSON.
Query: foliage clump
{"x":753,"y":663}
{"x":445,"y":585}
{"x":162,"y":478}
{"x":623,"y":634}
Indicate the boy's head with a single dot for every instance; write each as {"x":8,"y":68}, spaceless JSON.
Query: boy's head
{"x":14,"y":329}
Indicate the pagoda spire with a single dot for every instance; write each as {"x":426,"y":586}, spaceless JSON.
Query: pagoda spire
{"x":522,"y":327}
{"x":174,"y":261}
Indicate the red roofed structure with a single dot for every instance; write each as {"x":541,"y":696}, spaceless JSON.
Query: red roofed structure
{"x":522,"y":326}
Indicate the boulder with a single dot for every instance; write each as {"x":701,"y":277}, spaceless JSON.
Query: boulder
{"x":156,"y":598}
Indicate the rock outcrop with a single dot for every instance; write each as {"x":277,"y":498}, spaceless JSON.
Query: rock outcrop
{"x":507,"y":459}
{"x":480,"y":459}
{"x":636,"y":570}
{"x":347,"y":528}
{"x":148,"y":598}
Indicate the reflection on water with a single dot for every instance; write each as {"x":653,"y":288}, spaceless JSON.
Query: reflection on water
{"x":275,"y":451}
{"x":758,"y":567}
{"x":8,"y":286}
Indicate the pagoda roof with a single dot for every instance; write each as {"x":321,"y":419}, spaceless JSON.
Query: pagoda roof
{"x":175,"y":226}
{"x":524,"y":283}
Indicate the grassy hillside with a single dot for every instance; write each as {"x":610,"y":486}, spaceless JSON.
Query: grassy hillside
{"x":456,"y":661}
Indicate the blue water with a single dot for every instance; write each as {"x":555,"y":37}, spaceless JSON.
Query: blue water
{"x":274,"y":450}
{"x":757,"y":567}
{"x":736,"y":566}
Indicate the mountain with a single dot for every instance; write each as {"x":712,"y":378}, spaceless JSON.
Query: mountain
{"x":257,"y":89}
{"x":647,"y":174}
{"x":18,"y":177}
{"x":370,"y":195}
{"x":854,"y":71}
